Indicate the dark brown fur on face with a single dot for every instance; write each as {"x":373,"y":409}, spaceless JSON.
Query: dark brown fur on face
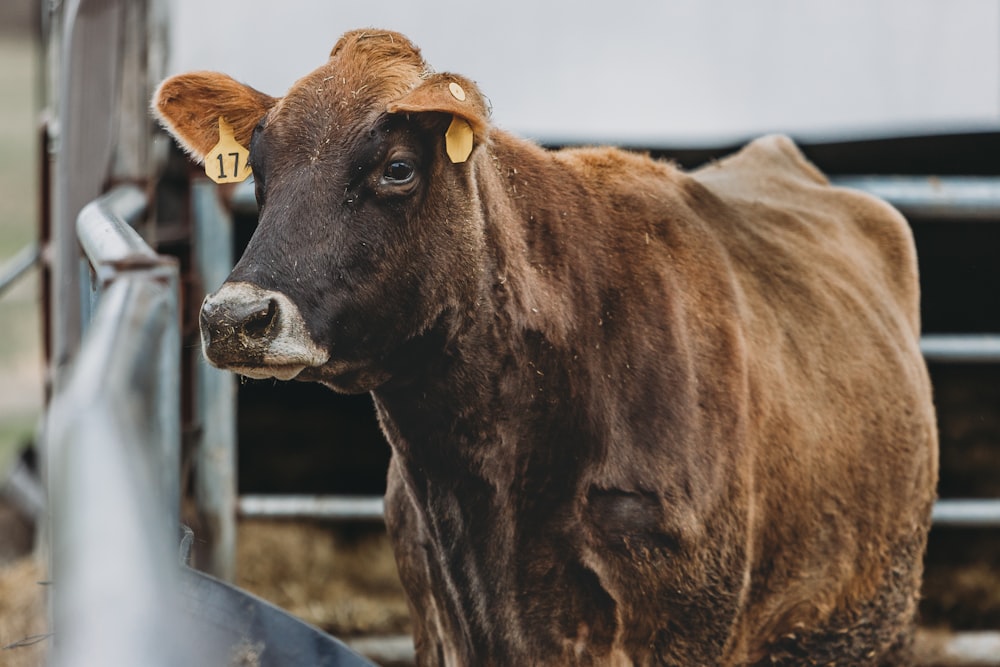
{"x":637,"y":416}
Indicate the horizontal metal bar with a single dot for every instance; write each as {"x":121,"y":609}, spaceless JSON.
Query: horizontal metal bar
{"x":961,"y":348}
{"x":943,"y":648}
{"x":18,"y":265}
{"x":106,"y":235}
{"x":385,"y":649}
{"x":976,"y":513}
{"x":339,"y":508}
{"x":957,"y":198}
{"x":984,"y":513}
{"x":965,"y":198}
{"x":23,"y":488}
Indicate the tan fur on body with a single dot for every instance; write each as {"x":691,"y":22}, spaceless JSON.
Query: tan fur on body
{"x":638,"y":416}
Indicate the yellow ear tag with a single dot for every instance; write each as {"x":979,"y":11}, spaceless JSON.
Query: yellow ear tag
{"x":227,"y":162}
{"x":458,"y":140}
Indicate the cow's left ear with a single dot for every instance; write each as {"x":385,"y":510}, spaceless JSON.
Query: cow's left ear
{"x":455,"y":95}
{"x":189,"y":107}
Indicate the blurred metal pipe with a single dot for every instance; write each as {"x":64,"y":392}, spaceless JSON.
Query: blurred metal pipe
{"x":338,"y":508}
{"x":215,"y":395}
{"x":967,"y":513}
{"x":965,"y":198}
{"x":18,"y":265}
{"x":104,"y":232}
{"x":89,"y":66}
{"x":113,"y":516}
{"x":953,"y":198}
{"x":23,"y":488}
{"x":396,"y":650}
{"x":961,"y":348}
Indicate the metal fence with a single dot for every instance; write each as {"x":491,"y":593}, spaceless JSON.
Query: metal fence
{"x":113,"y":452}
{"x":121,"y":595}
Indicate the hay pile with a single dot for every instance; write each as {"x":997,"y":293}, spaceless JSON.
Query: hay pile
{"x":342,"y":580}
{"x":22,"y":614}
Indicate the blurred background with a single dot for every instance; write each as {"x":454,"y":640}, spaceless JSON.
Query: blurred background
{"x":21,"y":363}
{"x":20,"y":324}
{"x":677,"y":73}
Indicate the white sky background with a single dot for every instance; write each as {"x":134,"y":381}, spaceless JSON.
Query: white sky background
{"x":673,"y":72}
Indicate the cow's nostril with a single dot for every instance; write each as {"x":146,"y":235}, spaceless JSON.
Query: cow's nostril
{"x":250,"y":320}
{"x":259,"y":320}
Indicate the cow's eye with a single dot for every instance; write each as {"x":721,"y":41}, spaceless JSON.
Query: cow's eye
{"x":398,"y":172}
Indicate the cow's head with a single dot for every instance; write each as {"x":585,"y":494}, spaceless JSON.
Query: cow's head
{"x":370,"y":227}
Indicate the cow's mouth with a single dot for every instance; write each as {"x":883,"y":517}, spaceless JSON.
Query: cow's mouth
{"x":278,"y":372}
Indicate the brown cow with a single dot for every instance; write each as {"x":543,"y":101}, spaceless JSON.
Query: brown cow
{"x":638,"y":416}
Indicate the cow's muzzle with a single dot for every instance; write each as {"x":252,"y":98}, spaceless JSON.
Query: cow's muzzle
{"x":256,"y":332}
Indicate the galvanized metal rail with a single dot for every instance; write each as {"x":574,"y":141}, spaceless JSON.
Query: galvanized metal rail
{"x":113,"y":454}
{"x":121,"y":594}
{"x":961,"y":348}
{"x":948,"y":198}
{"x":18,"y":265}
{"x":341,"y":508}
{"x":215,"y":399}
{"x":955,"y":513}
{"x":967,"y":513}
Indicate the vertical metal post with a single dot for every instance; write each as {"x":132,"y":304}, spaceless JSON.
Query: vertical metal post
{"x":168,"y":400}
{"x":87,"y":97}
{"x":114,"y":555}
{"x":215,"y":457}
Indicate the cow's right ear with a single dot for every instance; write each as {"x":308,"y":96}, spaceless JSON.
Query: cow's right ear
{"x":189,"y":107}
{"x":454,"y":95}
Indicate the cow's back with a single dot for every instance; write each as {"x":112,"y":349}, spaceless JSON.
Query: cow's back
{"x":841,"y":424}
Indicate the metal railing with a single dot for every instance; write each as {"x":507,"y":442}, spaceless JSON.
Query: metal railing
{"x":113,"y":438}
{"x":18,"y":265}
{"x":954,"y":198}
{"x":113,"y":448}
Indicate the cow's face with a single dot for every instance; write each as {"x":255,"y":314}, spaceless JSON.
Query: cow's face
{"x":370,"y":232}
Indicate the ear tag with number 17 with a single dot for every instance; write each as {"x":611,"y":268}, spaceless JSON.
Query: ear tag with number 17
{"x":227,"y":161}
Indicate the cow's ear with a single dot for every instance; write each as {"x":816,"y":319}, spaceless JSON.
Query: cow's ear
{"x":189,"y":107}
{"x":454,"y":95}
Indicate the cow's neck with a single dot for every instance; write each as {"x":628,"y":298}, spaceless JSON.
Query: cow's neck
{"x":496,"y":392}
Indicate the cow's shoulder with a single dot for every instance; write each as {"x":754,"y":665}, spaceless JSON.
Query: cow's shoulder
{"x":771,"y":165}
{"x":779,"y":206}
